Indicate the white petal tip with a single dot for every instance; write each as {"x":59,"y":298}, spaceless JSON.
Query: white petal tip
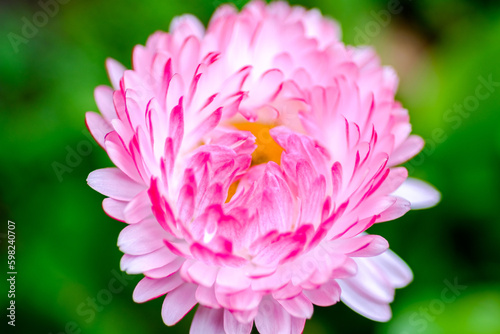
{"x":420,"y":194}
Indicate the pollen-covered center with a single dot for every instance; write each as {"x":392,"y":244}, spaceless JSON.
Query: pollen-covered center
{"x":267,"y":149}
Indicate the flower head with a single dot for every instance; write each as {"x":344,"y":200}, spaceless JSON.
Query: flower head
{"x":251,"y":157}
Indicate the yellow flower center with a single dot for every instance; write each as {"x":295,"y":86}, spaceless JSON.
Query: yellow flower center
{"x":267,"y":149}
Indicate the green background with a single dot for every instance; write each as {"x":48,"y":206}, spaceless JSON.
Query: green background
{"x":66,"y":245}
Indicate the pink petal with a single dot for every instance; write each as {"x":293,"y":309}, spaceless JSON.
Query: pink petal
{"x":203,"y":253}
{"x":186,"y":203}
{"x":178,"y":303}
{"x":142,"y":238}
{"x":396,"y":210}
{"x":175,"y":91}
{"x":299,"y":306}
{"x":97,"y":126}
{"x":365,"y":245}
{"x":276,"y":206}
{"x":206,"y":296}
{"x":179,"y":248}
{"x":233,"y":326}
{"x":272,"y":318}
{"x":176,"y":126}
{"x":114,"y":183}
{"x":245,"y":317}
{"x":148,"y":288}
{"x":115,"y":209}
{"x":140,"y":56}
{"x":410,"y":147}
{"x":268,"y":86}
{"x":326,"y":295}
{"x":324,"y":29}
{"x":161,"y":208}
{"x":166,"y":270}
{"x":287,"y":292}
{"x":245,"y":300}
{"x":203,"y":274}
{"x":115,"y":72}
{"x":133,"y":264}
{"x":120,"y":156}
{"x":396,"y":177}
{"x":297,"y":325}
{"x":104,"y":99}
{"x":207,"y":321}
{"x":138,"y":209}
{"x":280,"y":249}
{"x":187,"y":25}
{"x":207,"y":125}
{"x":348,"y":269}
{"x":190,"y":53}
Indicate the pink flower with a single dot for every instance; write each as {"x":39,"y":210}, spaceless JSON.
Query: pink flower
{"x":251,"y":158}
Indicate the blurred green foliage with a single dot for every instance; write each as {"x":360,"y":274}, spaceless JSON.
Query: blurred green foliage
{"x":66,"y":245}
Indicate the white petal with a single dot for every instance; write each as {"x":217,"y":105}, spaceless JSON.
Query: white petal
{"x":394,"y":268}
{"x":371,"y":290}
{"x":420,"y":194}
{"x":364,"y":304}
